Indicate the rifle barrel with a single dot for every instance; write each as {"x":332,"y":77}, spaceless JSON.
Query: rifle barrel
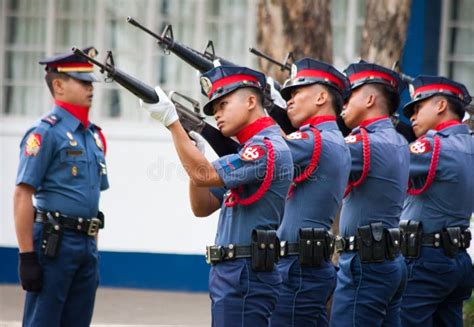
{"x":143,"y":28}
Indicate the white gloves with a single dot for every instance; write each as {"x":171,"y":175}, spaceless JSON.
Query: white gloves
{"x":199,"y":140}
{"x":276,"y":96}
{"x":164,"y":111}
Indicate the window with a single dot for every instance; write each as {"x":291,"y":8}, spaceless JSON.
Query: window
{"x":347,"y":18}
{"x":33,"y":29}
{"x":457,"y":42}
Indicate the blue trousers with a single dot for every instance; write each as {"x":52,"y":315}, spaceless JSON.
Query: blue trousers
{"x":69,"y":283}
{"x":241,"y":296}
{"x":368,"y":294}
{"x":304,"y":294}
{"x":437,"y":287}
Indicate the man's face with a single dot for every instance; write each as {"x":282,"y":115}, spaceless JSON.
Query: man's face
{"x":425,"y":115}
{"x":302,"y":104}
{"x":231,"y":112}
{"x":77,"y":92}
{"x":353,"y":112}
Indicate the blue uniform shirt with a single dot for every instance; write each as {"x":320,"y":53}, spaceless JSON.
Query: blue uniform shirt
{"x":65,"y":165}
{"x":246,"y":170}
{"x":380,"y":197}
{"x":315,"y":201}
{"x":449,"y":200}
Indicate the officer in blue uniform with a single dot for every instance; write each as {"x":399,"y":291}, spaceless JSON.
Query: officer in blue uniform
{"x":62,"y":165}
{"x":249,"y":187}
{"x":372,"y":275}
{"x":322,"y":163}
{"x":437,"y":212}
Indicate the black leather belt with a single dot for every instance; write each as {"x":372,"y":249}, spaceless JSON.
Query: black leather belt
{"x":217,"y":253}
{"x":344,"y":244}
{"x":88,"y":226}
{"x":287,"y":249}
{"x":435,"y":240}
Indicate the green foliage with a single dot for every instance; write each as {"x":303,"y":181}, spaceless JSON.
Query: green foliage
{"x":468,"y":312}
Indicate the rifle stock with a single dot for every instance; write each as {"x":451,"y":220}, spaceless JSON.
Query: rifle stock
{"x":137,"y":87}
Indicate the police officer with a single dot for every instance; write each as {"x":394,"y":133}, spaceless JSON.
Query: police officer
{"x":372,"y":275}
{"x":439,"y":206}
{"x":62,"y":166}
{"x":249,"y":187}
{"x":322,"y":163}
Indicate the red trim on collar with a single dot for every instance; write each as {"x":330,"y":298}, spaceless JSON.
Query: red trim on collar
{"x":231,"y":80}
{"x":447,"y":124}
{"x":438,"y":88}
{"x":320,"y":74}
{"x":250,"y":130}
{"x":372,"y":74}
{"x":367,"y":122}
{"x":79,"y":112}
{"x":316,"y":120}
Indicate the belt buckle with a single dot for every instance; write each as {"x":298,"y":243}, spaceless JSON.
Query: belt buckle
{"x":214,"y":254}
{"x":94,"y":225}
{"x":339,"y":244}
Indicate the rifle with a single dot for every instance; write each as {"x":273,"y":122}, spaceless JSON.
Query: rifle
{"x":283,"y":66}
{"x":204,"y":62}
{"x":190,"y":119}
{"x":140,"y":89}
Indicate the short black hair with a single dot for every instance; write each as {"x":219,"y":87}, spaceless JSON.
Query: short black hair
{"x":455,"y":106}
{"x":336,"y":98}
{"x":390,"y":96}
{"x":51,"y":76}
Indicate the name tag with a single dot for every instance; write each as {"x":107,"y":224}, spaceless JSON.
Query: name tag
{"x":74,"y":152}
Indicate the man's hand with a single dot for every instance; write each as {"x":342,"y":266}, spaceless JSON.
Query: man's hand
{"x":199,"y":140}
{"x":31,"y":273}
{"x":275,"y":95}
{"x":164,"y":111}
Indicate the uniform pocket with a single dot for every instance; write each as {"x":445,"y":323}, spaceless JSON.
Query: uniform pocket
{"x":73,"y":163}
{"x":269,"y":277}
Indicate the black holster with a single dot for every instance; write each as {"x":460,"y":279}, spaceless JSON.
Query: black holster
{"x":466,"y":237}
{"x":315,"y":246}
{"x":370,"y":240}
{"x":265,"y":249}
{"x":451,"y":237}
{"x":52,"y":237}
{"x":411,"y":238}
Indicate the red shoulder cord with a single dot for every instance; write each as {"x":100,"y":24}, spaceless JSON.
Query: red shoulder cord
{"x":431,"y":171}
{"x":312,"y":164}
{"x":233,"y":198}
{"x":365,"y":165}
{"x":104,"y":142}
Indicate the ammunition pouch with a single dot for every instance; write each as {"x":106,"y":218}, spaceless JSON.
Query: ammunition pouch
{"x":264,"y":249}
{"x":315,"y":246}
{"x":411,"y":239}
{"x":370,"y":241}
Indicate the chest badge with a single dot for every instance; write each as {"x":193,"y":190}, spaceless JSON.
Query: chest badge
{"x":72,"y":141}
{"x":98,"y":142}
{"x":74,"y":171}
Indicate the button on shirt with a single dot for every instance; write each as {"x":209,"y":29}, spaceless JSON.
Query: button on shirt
{"x":315,"y":201}
{"x":449,"y":201}
{"x":246,"y":170}
{"x":65,"y":164}
{"x":380,"y":197}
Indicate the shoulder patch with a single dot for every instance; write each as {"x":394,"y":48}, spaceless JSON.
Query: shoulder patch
{"x":298,"y":135}
{"x":252,"y":152}
{"x":420,"y":146}
{"x":353,"y":138}
{"x":231,"y":163}
{"x":51,"y":119}
{"x":33,"y":144}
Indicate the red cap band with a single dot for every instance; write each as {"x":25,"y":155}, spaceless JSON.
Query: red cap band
{"x":231,"y":80}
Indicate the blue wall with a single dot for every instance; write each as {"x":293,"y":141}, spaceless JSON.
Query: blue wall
{"x":131,"y":269}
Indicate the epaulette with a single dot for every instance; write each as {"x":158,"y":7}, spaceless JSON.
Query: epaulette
{"x":51,"y":119}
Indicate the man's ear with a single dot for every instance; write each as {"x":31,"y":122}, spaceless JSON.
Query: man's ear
{"x":251,"y":101}
{"x":321,"y":97}
{"x":370,"y":100}
{"x":58,"y":86}
{"x":441,"y":106}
